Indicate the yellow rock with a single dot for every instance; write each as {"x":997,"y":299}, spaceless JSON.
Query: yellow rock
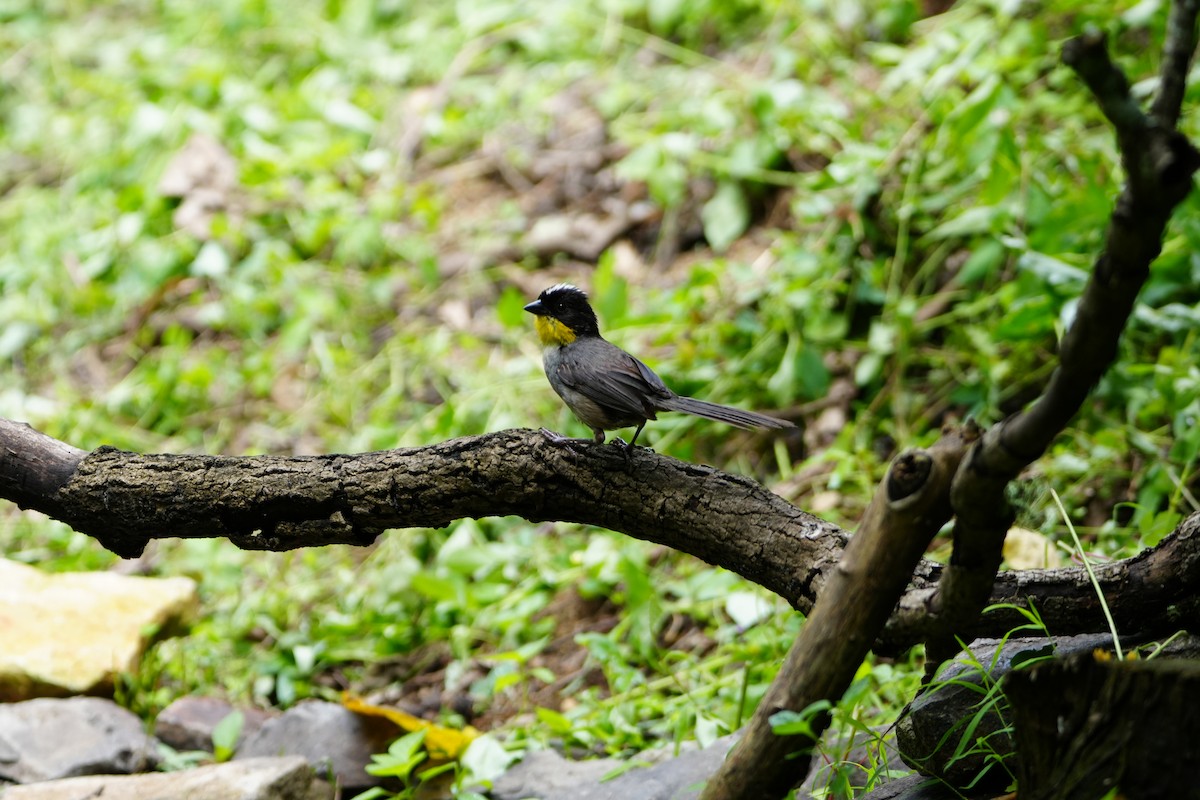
{"x":73,"y":632}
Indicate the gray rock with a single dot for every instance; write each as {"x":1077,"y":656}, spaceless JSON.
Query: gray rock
{"x":188,"y":723}
{"x":678,"y":778}
{"x":546,"y":775}
{"x":335,"y":740}
{"x":288,"y":778}
{"x":922,"y":732}
{"x":916,"y":787}
{"x":44,"y":739}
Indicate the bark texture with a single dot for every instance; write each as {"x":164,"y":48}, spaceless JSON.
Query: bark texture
{"x":124,"y":500}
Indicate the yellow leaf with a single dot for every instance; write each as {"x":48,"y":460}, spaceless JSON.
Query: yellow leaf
{"x":445,"y":744}
{"x":1026,"y":549}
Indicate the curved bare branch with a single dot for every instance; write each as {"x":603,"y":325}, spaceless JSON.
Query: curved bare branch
{"x":266,"y":502}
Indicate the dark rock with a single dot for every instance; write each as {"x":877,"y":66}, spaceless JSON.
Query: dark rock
{"x":188,"y":723}
{"x":288,"y":778}
{"x":44,"y":739}
{"x":930,"y":731}
{"x":335,"y":740}
{"x":1097,"y":727}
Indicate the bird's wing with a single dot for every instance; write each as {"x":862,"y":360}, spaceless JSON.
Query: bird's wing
{"x":611,"y":377}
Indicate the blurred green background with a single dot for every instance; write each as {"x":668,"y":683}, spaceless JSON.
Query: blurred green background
{"x":257,"y":226}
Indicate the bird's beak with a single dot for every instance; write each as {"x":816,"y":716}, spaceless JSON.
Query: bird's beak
{"x":537,"y":308}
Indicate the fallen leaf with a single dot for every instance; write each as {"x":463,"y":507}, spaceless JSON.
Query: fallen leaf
{"x":442,"y":743}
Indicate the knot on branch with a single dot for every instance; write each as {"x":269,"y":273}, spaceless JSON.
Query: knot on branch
{"x":907,"y":475}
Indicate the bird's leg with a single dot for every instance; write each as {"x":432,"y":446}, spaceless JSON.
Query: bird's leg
{"x":633,"y":441}
{"x":598,"y":435}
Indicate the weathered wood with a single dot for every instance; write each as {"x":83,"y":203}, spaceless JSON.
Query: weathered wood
{"x":1085,"y":726}
{"x":270,"y":502}
{"x":33,"y":466}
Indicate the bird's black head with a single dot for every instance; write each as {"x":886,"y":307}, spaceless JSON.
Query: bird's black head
{"x":563,"y":314}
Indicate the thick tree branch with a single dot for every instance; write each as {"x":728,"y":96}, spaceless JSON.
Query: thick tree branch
{"x":1135,"y":588}
{"x":34,"y":466}
{"x":124,"y":500}
{"x":1159,"y":163}
{"x":266,"y":502}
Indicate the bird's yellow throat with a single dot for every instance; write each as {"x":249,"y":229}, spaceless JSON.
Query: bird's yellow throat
{"x":553,"y":332}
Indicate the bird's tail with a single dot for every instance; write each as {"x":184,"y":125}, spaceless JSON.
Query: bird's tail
{"x":727,"y":414}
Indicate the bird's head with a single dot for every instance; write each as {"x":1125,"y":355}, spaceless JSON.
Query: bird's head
{"x":563,"y":315}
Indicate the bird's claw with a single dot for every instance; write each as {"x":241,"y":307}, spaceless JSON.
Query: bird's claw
{"x":559,"y":440}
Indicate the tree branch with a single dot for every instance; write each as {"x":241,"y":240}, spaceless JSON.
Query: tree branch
{"x":266,"y":502}
{"x":1137,"y":590}
{"x":908,"y":508}
{"x":1159,"y":163}
{"x":34,"y":466}
{"x":1177,"y":59}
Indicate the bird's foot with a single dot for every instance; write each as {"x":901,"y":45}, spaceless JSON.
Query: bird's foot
{"x":559,"y":440}
{"x":629,"y":446}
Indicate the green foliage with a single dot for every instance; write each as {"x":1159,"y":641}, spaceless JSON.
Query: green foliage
{"x":904,"y":209}
{"x":400,"y":764}
{"x":225,"y":735}
{"x":979,"y":678}
{"x":402,"y":757}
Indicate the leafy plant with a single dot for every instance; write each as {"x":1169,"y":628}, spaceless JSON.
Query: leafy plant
{"x":225,"y":735}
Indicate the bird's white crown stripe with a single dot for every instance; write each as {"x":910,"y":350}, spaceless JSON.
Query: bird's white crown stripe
{"x":564,"y":287}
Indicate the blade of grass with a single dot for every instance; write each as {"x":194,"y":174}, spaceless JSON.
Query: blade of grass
{"x":1112,"y":627}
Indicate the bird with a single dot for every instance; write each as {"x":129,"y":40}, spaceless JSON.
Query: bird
{"x":605,"y":387}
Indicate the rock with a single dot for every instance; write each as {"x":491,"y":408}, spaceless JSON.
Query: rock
{"x":854,"y":765}
{"x":188,"y":723}
{"x":44,"y":739}
{"x":1088,"y":726}
{"x":71,"y":633}
{"x":289,"y":778}
{"x":548,"y":776}
{"x":922,"y":733}
{"x":678,"y":778}
{"x":917,"y":787}
{"x":335,"y":740}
